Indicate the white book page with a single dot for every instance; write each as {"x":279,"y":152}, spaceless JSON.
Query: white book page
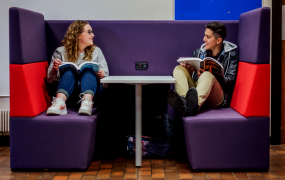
{"x":90,"y":62}
{"x":71,"y":63}
{"x":192,"y":61}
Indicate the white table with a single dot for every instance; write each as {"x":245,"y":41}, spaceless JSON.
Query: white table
{"x":138,"y":81}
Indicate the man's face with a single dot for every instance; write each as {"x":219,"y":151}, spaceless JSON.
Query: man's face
{"x":210,"y":40}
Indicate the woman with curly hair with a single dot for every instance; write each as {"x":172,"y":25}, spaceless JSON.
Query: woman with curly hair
{"x":77,"y":47}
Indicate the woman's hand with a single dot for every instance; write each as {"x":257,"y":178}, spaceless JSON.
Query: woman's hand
{"x":56,"y":64}
{"x":100,"y":74}
{"x":188,"y":67}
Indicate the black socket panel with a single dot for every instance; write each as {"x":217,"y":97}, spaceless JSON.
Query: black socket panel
{"x":141,"y":66}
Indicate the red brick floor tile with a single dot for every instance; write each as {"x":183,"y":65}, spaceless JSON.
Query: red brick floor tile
{"x":223,"y":174}
{"x":118,"y":169}
{"x":213,"y":175}
{"x":170,"y":168}
{"x":145,"y":173}
{"x":145,"y":168}
{"x":228,"y":178}
{"x":239,"y":175}
{"x":158,"y":175}
{"x":156,"y":161}
{"x":117,"y":173}
{"x":157,"y":171}
{"x":185,"y":176}
{"x":93,"y":168}
{"x":106,"y":166}
{"x":144,"y":178}
{"x":268,"y":175}
{"x":131,"y":171}
{"x":116,"y":177}
{"x":201,"y":174}
{"x":60,"y":177}
{"x":184,"y":171}
{"x":130,"y":176}
{"x":253,"y":174}
{"x":75,"y":175}
{"x":63,"y":174}
{"x":183,"y":166}
{"x":104,"y":171}
{"x":95,"y":163}
{"x":257,"y":178}
{"x":90,"y":173}
{"x":172,"y":178}
{"x":103,"y":176}
{"x":88,"y":177}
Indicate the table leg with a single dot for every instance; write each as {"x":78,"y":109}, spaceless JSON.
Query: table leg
{"x":138,"y":125}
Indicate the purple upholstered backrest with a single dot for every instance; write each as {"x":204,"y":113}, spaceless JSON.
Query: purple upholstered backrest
{"x":159,"y":43}
{"x":254,"y":36}
{"x":27,"y":36}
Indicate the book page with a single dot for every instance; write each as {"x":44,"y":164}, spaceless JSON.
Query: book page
{"x":192,"y":61}
{"x":217,"y":67}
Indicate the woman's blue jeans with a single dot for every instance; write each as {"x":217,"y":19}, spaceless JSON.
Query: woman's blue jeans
{"x":86,"y":81}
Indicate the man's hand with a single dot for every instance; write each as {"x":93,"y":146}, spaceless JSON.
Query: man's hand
{"x":56,"y":64}
{"x":188,"y":67}
{"x":201,"y":71}
{"x":100,"y":74}
{"x":210,"y":69}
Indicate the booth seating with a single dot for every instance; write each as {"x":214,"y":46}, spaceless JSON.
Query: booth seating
{"x":236,"y":137}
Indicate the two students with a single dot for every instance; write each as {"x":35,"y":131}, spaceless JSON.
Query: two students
{"x":193,"y":90}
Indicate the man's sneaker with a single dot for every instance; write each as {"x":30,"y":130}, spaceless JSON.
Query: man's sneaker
{"x":58,"y":107}
{"x":191,"y":102}
{"x":176,"y":101}
{"x":86,"y":106}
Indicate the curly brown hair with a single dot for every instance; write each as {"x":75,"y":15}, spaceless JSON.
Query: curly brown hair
{"x":71,"y":42}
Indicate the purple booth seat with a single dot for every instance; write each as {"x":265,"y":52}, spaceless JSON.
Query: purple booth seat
{"x":224,"y":139}
{"x":53,"y":142}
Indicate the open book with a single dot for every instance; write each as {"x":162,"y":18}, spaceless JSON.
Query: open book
{"x":65,"y":65}
{"x":204,"y":64}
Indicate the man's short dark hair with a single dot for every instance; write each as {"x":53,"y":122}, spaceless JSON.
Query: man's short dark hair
{"x":219,"y":30}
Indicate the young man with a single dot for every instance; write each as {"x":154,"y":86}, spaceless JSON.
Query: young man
{"x":196,"y":90}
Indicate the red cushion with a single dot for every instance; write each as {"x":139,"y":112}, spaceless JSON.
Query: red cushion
{"x":28,"y":93}
{"x":251,"y":96}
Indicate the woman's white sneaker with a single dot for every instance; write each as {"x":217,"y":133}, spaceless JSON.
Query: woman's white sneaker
{"x":58,"y":107}
{"x":86,"y":106}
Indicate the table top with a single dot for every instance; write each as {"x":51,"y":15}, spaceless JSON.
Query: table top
{"x":139,"y":79}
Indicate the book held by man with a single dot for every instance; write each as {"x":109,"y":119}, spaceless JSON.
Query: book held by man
{"x":65,"y":65}
{"x":197,"y":64}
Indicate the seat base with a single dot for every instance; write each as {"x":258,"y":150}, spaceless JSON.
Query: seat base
{"x":53,"y":142}
{"x":223,"y":139}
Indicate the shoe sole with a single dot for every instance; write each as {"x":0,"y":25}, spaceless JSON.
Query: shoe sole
{"x":57,"y":112}
{"x":84,"y":111}
{"x":175,"y":101}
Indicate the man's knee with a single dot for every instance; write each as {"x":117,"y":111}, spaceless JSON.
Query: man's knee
{"x":207,"y":75}
{"x":180,"y":70}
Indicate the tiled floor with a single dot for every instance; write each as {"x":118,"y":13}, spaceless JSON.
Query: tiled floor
{"x":156,"y":169}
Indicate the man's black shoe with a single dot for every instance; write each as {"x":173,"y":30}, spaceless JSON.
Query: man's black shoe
{"x":176,"y":101}
{"x":191,"y":102}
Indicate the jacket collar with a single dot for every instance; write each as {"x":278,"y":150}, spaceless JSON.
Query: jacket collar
{"x":228,"y":46}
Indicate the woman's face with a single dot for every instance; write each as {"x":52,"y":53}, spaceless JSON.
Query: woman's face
{"x":86,"y":37}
